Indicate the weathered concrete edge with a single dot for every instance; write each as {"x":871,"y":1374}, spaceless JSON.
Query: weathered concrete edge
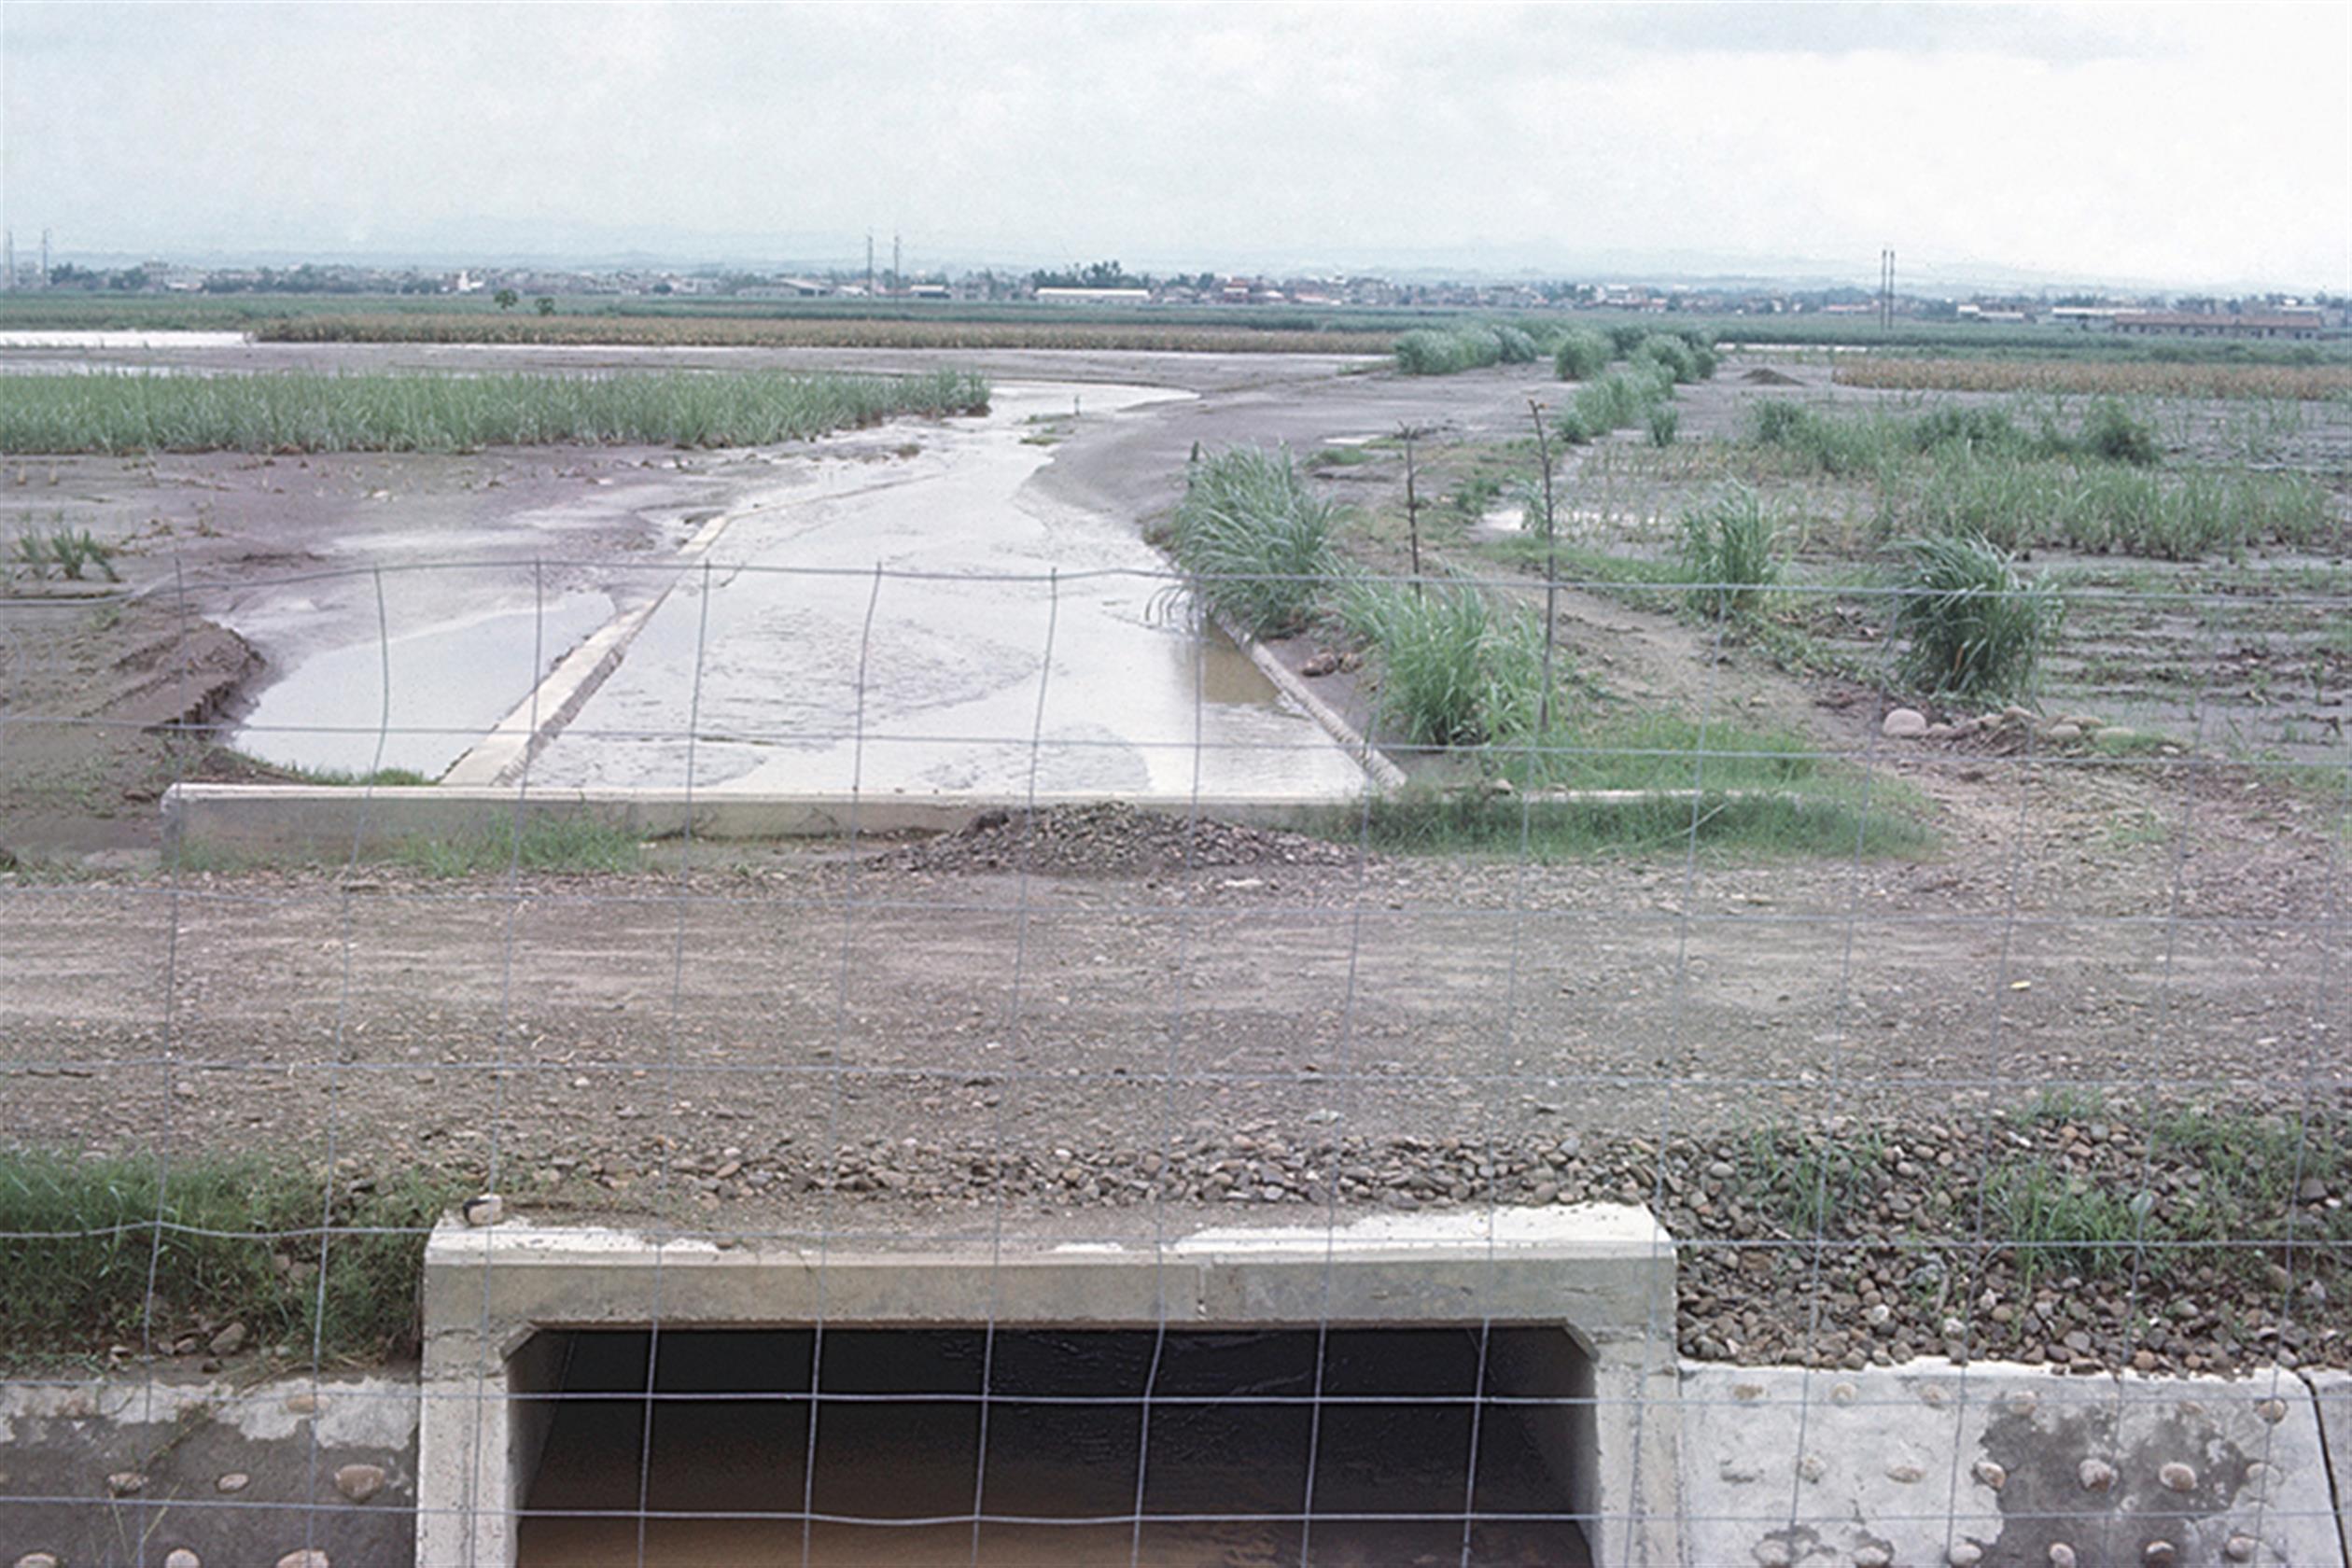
{"x":1385,"y":773}
{"x":2331,"y":1397}
{"x":1604,"y":1272}
{"x":328,"y":820}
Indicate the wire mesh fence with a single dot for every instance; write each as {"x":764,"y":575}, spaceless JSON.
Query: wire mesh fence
{"x":1954,"y":969}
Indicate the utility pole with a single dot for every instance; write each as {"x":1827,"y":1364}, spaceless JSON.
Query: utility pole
{"x":898,"y":279}
{"x":1409,"y":433}
{"x":1886,"y":288}
{"x":868,"y":263}
{"x":1551,"y":574}
{"x":8,"y":257}
{"x":44,"y":261}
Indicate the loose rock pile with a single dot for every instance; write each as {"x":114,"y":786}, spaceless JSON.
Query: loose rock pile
{"x":1112,"y":840}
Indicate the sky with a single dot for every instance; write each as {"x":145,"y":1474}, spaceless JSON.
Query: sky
{"x":2179,"y":144}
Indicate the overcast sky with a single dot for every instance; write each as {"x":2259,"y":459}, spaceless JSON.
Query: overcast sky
{"x":2176,"y":144}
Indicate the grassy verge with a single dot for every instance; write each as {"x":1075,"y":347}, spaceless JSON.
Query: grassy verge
{"x":223,"y":1240}
{"x":2177,"y":378}
{"x":557,"y":844}
{"x":424,"y":413}
{"x":1718,"y":824}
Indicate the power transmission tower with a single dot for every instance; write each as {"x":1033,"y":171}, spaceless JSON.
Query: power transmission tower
{"x":1886,"y":288}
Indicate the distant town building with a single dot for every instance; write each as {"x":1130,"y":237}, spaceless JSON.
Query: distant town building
{"x":1056,"y":296}
{"x":2217,"y":324}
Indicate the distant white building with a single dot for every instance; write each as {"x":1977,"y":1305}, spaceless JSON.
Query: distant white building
{"x":1096,"y":296}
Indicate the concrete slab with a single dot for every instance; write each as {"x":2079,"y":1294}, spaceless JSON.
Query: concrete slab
{"x":2331,"y":1392}
{"x":233,"y":1473}
{"x":1602,"y":1273}
{"x":327,"y":820}
{"x":1931,"y":1463}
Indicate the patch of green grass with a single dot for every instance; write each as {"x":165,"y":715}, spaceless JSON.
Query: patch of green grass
{"x":2064,"y":1102}
{"x":2061,"y":1223}
{"x":548,"y":843}
{"x":1453,"y":671}
{"x":79,"y":1238}
{"x":1723,"y":827}
{"x":1807,"y":1181}
{"x":1255,"y":539}
{"x":410,"y":412}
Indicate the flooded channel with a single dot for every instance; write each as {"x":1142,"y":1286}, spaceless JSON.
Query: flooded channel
{"x":709,"y":1446}
{"x":938,"y":623}
{"x":448,"y":682}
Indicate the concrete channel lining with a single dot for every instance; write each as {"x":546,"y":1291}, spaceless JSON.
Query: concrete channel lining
{"x":1603,"y":1274}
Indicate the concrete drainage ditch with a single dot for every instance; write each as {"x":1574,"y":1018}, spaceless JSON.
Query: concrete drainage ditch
{"x":1517,"y":1361}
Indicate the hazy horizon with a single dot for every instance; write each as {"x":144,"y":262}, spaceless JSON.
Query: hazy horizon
{"x":2153,"y":147}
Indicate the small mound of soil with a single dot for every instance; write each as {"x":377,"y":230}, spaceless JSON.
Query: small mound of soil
{"x":1112,"y":840}
{"x":1764,"y":375}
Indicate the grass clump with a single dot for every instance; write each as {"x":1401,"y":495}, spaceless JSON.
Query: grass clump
{"x":544,"y":843}
{"x":69,"y":550}
{"x":1726,"y":553}
{"x":1976,"y":628}
{"x":409,"y":411}
{"x":2064,"y":1223}
{"x":1254,"y":541}
{"x":228,"y":1239}
{"x":1620,"y":399}
{"x":1453,"y":672}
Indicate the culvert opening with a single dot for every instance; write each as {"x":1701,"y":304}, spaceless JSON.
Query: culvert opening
{"x":1042,"y":1447}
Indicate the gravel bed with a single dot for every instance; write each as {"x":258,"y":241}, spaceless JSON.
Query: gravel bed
{"x":1110,"y":839}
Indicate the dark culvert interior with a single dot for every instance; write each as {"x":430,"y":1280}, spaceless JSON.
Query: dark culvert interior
{"x":692,"y":1448}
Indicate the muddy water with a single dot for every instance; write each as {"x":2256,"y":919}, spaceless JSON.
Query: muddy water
{"x":795,"y":667}
{"x":450,"y":680}
{"x":723,"y":1460}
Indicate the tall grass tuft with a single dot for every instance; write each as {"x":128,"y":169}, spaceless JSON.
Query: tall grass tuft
{"x":1453,"y":672}
{"x":1976,"y":628}
{"x":1255,"y":541}
{"x":428,"y":413}
{"x":1726,"y":553}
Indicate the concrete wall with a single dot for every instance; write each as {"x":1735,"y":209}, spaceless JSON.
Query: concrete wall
{"x":1603,"y":1273}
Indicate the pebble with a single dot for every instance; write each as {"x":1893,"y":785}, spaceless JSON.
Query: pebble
{"x":1965,"y":1554}
{"x":2062,"y":733}
{"x":180,"y":1556}
{"x":1772,"y":1554}
{"x":2096,"y":1475}
{"x":359,"y":1482}
{"x":2061,"y":1555}
{"x":1811,"y":1468}
{"x":1992,"y":1474}
{"x":2240,"y":1548}
{"x":1907,"y":1473}
{"x":1872,"y":1557}
{"x":308,"y":1558}
{"x":235,"y":1480}
{"x":302,"y":1403}
{"x":230,"y":1340}
{"x":2160,"y":1552}
{"x":1844,"y":1393}
{"x":2272,"y":1410}
{"x":1903,"y":723}
{"x":126,"y":1483}
{"x":40,"y":1559}
{"x":2177,"y":1477}
{"x":486,"y":1210}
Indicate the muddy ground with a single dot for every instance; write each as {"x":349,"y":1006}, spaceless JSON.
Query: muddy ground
{"x":974,"y":1034}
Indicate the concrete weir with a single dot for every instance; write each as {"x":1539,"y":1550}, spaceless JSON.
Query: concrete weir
{"x":333,"y":820}
{"x":1576,"y":1302}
